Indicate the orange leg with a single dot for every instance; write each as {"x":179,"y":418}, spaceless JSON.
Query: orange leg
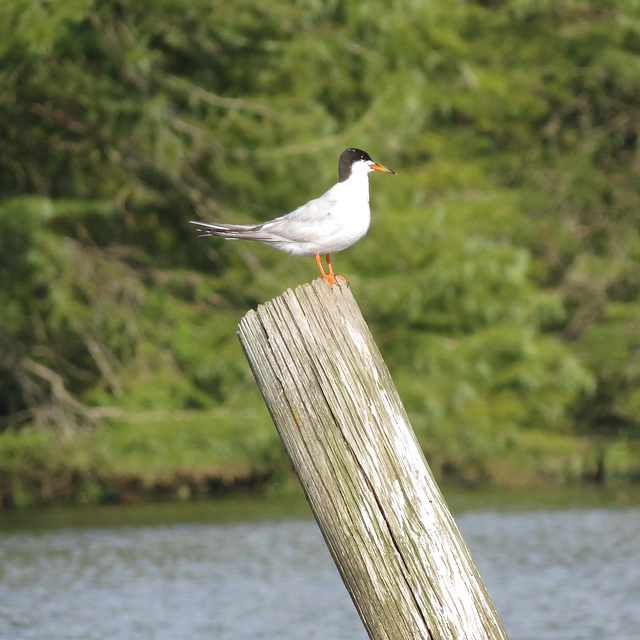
{"x":329,"y":277}
{"x":331,"y":273}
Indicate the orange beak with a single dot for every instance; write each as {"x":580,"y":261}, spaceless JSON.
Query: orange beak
{"x":378,"y":167}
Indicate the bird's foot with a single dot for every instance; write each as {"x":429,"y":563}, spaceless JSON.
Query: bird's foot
{"x":330,"y":278}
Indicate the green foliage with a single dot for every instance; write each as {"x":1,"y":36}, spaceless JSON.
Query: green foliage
{"x":165,"y":455}
{"x":501,"y":275}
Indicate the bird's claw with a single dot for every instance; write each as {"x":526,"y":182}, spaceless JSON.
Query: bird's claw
{"x":331,"y":276}
{"x":332,"y":279}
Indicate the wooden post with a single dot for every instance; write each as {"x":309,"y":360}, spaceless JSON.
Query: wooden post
{"x":343,"y":425}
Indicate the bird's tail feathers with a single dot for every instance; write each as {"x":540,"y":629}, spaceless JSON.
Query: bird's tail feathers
{"x":230,"y":231}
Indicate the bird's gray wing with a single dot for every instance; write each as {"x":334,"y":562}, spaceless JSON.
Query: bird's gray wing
{"x":306,"y":223}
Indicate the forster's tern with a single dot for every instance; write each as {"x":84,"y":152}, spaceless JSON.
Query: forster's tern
{"x":330,"y":223}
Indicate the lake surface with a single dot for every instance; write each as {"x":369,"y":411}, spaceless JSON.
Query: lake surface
{"x":232,"y":573}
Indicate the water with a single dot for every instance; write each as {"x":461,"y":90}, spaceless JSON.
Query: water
{"x":568,"y":574}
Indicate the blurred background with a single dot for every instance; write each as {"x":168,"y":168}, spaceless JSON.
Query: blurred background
{"x":500,"y":276}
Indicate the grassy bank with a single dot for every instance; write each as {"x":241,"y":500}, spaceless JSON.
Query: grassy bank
{"x":187,"y":455}
{"x":172,"y":457}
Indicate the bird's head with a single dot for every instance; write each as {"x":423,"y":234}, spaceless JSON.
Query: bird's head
{"x":352,"y":158}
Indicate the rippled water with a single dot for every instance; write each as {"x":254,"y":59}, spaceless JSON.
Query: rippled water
{"x":567,"y":575}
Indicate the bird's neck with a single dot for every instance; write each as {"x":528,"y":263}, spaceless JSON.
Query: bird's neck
{"x":357,"y":186}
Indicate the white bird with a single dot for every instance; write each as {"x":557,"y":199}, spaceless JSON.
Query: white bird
{"x":330,"y":223}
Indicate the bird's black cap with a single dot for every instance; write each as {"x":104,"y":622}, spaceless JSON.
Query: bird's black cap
{"x":351,"y":156}
{"x":347,"y":159}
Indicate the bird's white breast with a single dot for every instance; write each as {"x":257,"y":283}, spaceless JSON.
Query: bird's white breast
{"x":351,"y":214}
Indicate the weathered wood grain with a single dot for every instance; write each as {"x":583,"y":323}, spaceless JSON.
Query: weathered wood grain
{"x":343,"y":425}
